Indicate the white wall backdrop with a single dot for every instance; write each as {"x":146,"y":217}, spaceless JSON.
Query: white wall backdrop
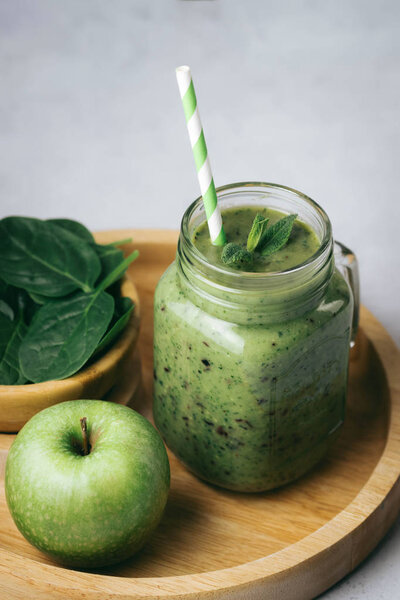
{"x":300,"y":92}
{"x":304,"y":93}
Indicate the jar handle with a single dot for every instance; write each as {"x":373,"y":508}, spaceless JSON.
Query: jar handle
{"x":347,"y":264}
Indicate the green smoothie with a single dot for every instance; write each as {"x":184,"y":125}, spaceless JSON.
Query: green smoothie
{"x":302,"y":242}
{"x":248,"y":394}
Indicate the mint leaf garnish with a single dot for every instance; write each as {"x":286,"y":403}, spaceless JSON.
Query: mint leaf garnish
{"x":256,"y":232}
{"x":276,"y":236}
{"x":233,"y":254}
{"x":262,"y":239}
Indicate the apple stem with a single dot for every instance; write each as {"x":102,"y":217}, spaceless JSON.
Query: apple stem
{"x":83,"y":421}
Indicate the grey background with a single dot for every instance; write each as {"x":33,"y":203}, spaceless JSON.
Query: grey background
{"x":304,"y":93}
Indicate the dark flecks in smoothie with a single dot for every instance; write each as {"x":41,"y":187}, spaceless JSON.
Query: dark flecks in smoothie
{"x":244,"y":424}
{"x":162,"y":308}
{"x":254,"y":396}
{"x":221,"y":431}
{"x":206,"y":364}
{"x":155,"y":375}
{"x":167,"y":369}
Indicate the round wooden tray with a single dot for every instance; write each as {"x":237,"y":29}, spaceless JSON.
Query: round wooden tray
{"x":292,"y":543}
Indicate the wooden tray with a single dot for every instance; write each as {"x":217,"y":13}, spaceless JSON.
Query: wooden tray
{"x":293,"y":543}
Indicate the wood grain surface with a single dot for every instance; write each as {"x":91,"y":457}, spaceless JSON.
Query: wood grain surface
{"x":289,"y":544}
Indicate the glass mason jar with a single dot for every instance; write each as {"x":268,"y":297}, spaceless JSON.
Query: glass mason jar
{"x":250,"y":369}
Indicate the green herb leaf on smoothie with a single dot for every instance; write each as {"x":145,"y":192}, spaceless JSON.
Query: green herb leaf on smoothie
{"x":256,"y":232}
{"x":276,"y":236}
{"x":233,"y":254}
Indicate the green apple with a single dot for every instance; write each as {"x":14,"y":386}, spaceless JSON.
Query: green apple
{"x":87,"y":482}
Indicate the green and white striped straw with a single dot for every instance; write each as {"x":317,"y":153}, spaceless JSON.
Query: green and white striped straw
{"x":199,"y":148}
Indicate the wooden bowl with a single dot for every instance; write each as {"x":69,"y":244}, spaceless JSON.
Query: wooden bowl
{"x":18,"y":403}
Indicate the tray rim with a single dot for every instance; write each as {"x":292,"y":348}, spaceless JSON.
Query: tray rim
{"x":369,"y":504}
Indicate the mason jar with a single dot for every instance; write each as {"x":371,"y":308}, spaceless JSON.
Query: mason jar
{"x":250,"y":369}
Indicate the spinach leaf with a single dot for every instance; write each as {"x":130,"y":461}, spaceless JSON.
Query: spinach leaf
{"x":74,"y":227}
{"x":123,"y":310}
{"x":118,"y":271}
{"x":6,"y":329}
{"x":44,"y":258}
{"x":11,"y":338}
{"x":120,"y":242}
{"x":8,"y":299}
{"x":6,"y":310}
{"x":110,"y":257}
{"x":115,"y":290}
{"x":64,"y":334}
{"x":38,"y":298}
{"x":10,"y":373}
{"x":29,"y":306}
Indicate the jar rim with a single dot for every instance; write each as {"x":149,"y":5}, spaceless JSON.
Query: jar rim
{"x":254,"y":277}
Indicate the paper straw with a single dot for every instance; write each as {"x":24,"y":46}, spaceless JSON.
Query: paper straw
{"x":199,"y":149}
